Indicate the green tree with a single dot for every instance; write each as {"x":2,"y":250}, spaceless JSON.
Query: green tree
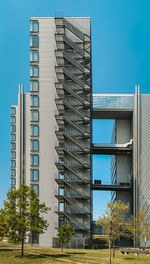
{"x":64,"y":234}
{"x":3,"y":224}
{"x":23,"y":213}
{"x":139,"y":226}
{"x":113,"y":222}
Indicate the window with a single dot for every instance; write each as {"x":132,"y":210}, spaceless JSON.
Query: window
{"x":13,"y":110}
{"x":13,"y":172}
{"x":34,"y":145}
{"x":34,"y":86}
{"x":34,"y":115}
{"x":13,"y":163}
{"x":13,"y":189}
{"x":34,"y":237}
{"x":13,"y":181}
{"x":34,"y":175}
{"x":13,"y":154}
{"x":34,"y":55}
{"x":35,"y":188}
{"x":34,"y":41}
{"x":34,"y":26}
{"x":13,"y":145}
{"x":13,"y":128}
{"x":34,"y":130}
{"x":61,"y":191}
{"x":13,"y":119}
{"x":61,"y":176}
{"x":34,"y":160}
{"x":61,"y":221}
{"x":34,"y":71}
{"x":34,"y":100}
{"x":61,"y":207}
{"x":13,"y":136}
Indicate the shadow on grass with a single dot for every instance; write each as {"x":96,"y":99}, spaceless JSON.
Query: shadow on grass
{"x":8,"y":249}
{"x":78,"y":253}
{"x":32,"y":256}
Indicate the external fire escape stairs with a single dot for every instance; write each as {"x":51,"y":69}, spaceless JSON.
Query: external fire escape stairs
{"x":73,"y":104}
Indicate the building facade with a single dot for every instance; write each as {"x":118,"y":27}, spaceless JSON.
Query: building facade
{"x":51,"y":126}
{"x":51,"y":132}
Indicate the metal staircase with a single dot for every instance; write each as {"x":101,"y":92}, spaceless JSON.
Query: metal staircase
{"x":73,"y":88}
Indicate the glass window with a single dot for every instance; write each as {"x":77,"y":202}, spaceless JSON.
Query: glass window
{"x":34,"y":100}
{"x":13,"y":145}
{"x":13,"y":110}
{"x":13,"y":163}
{"x":13,"y":136}
{"x":34,"y":25}
{"x":61,"y":176}
{"x":34,"y":145}
{"x":34,"y":130}
{"x":61,"y":221}
{"x":34,"y":55}
{"x":13,"y":172}
{"x":13,"y":128}
{"x":13,"y":181}
{"x":34,"y":115}
{"x":61,"y":207}
{"x":34,"y":160}
{"x":61,"y":191}
{"x":35,"y":188}
{"x":34,"y":41}
{"x":13,"y":154}
{"x":34,"y":71}
{"x":13,"y":119}
{"x":34,"y":175}
{"x":34,"y":86}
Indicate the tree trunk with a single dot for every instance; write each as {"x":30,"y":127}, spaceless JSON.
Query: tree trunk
{"x":113,"y":249}
{"x":109,"y":251}
{"x":22,"y":247}
{"x":62,"y":246}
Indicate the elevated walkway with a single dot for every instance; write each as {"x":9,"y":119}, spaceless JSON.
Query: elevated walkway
{"x":111,"y":149}
{"x":111,"y":187}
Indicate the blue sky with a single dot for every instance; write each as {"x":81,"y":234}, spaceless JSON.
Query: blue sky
{"x":120,"y":53}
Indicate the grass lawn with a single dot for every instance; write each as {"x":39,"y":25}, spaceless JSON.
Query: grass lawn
{"x":9,"y":255}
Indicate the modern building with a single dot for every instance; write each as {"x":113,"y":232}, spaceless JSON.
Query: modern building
{"x":51,"y":132}
{"x":51,"y":126}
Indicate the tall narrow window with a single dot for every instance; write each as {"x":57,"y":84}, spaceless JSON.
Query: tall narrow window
{"x":13,"y":145}
{"x":34,"y":55}
{"x":13,"y":128}
{"x":34,"y":115}
{"x":13,"y":163}
{"x":13,"y":154}
{"x":13,"y":181}
{"x":34,"y":130}
{"x":34,"y":86}
{"x":34,"y":71}
{"x":13,"y":172}
{"x":13,"y":136}
{"x":34,"y":100}
{"x":34,"y":175}
{"x":34,"y":41}
{"x":35,"y":188}
{"x":34,"y":160}
{"x":34,"y":145}
{"x":34,"y":26}
{"x":13,"y":110}
{"x":13,"y":119}
{"x":61,"y":207}
{"x":61,"y":191}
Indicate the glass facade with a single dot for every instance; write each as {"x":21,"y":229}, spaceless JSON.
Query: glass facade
{"x":112,"y":101}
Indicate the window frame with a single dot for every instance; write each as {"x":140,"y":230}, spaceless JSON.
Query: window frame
{"x":32,"y":161}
